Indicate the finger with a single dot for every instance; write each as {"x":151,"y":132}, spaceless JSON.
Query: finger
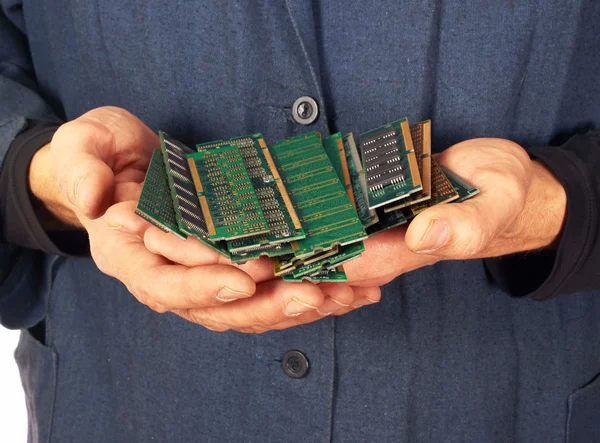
{"x":387,"y":247}
{"x":80,"y":152}
{"x":260,"y":270}
{"x":88,"y":150}
{"x":179,"y":287}
{"x":460,"y":230}
{"x":464,"y":230}
{"x":363,"y":296}
{"x":158,"y":283}
{"x":273,"y":302}
{"x":190,"y":252}
{"x":338,"y":297}
{"x":121,"y":216}
{"x":127,"y":191}
{"x":366,"y":296}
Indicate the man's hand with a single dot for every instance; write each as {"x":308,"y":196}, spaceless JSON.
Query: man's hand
{"x":96,"y":164}
{"x":521,"y":207}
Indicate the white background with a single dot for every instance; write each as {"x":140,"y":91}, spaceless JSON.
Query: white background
{"x":13,"y":415}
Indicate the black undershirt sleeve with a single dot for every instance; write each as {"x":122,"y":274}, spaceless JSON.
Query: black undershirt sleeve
{"x":19,"y":223}
{"x":575,"y":265}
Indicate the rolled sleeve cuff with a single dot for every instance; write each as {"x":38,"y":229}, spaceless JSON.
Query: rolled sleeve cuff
{"x":20,"y":223}
{"x":541,"y":275}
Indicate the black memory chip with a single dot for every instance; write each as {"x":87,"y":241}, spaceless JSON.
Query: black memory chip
{"x":186,"y":202}
{"x":381,"y":158}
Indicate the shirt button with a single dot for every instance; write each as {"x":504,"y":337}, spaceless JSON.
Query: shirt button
{"x":295,"y":364}
{"x":305,"y":110}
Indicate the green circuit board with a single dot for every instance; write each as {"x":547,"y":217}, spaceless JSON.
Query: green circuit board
{"x":155,"y":204}
{"x":334,"y":147}
{"x":387,"y":220}
{"x":464,"y":189}
{"x":389,"y":164}
{"x":442,"y":191}
{"x":325,"y":211}
{"x":307,"y":202}
{"x":344,"y":255}
{"x":277,"y":250}
{"x":420,"y":134}
{"x":183,"y":193}
{"x":367,"y":216}
{"x":227,"y":197}
{"x":286,"y":264}
{"x":284,"y":225}
{"x":334,"y":275}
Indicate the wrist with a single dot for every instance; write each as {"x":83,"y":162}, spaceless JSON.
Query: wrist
{"x":54,"y":211}
{"x":540,"y":224}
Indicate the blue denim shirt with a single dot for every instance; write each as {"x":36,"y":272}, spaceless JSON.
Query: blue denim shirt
{"x":445,"y":356}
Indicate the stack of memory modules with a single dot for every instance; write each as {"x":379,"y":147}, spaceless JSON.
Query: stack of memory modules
{"x":306,"y":202}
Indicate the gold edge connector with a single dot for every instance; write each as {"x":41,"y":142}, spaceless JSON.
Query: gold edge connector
{"x":412,"y":159}
{"x":286,"y":198}
{"x":203,"y":202}
{"x":346,"y":172}
{"x":426,"y":159}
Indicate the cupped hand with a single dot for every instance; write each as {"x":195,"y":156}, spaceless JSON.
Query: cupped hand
{"x":99,"y":162}
{"x":521,"y":207}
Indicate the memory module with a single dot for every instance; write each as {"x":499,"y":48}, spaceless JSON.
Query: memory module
{"x":286,"y":264}
{"x":306,"y":202}
{"x":464,"y":189}
{"x":387,"y":220}
{"x":420,"y":134}
{"x":322,"y":204}
{"x":367,"y":216}
{"x":442,"y":191}
{"x":334,"y":147}
{"x":344,"y":255}
{"x":389,"y":164}
{"x":155,"y":204}
{"x":284,"y":224}
{"x":183,"y":193}
{"x":227,"y":197}
{"x":277,"y":250}
{"x":333,"y":275}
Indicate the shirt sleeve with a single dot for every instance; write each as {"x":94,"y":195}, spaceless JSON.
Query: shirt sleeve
{"x":574,"y":266}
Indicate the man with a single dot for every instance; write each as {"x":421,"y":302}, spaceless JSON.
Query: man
{"x":441,"y":354}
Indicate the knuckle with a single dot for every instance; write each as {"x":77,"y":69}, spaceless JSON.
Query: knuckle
{"x":158,"y":308}
{"x":216,"y":328}
{"x":139,"y":290}
{"x":99,"y":258}
{"x":198,"y":316}
{"x":374,"y":296}
{"x":477,"y":240}
{"x":515,"y":191}
{"x":204,"y":318}
{"x":260,"y":319}
{"x":189,"y":293}
{"x":252,"y":330}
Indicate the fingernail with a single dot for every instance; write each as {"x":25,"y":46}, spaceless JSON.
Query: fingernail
{"x":363,"y":302}
{"x":295,"y":307}
{"x":435,"y":236}
{"x":329,"y":307}
{"x":115,"y":227}
{"x":228,"y":295}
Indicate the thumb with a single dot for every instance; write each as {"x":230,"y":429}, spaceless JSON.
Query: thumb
{"x":80,"y":153}
{"x":462,"y":230}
